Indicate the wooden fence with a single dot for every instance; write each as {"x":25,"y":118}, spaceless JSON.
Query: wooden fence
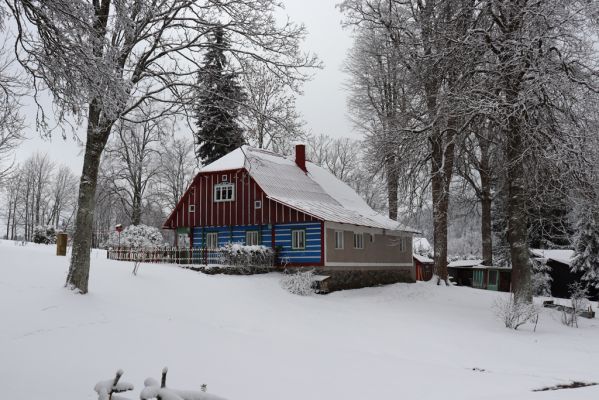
{"x":170,"y":255}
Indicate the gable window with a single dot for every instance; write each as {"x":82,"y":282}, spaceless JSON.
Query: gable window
{"x":257,"y":204}
{"x":224,"y":192}
{"x":212,"y":240}
{"x":192,"y":208}
{"x":339,"y":239}
{"x":358,"y":240}
{"x":252,"y":238}
{"x":298,"y":239}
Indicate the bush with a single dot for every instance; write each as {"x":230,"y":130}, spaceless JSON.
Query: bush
{"x":44,"y":234}
{"x":136,"y":237}
{"x":246,"y":257}
{"x":300,"y":282}
{"x":541,"y":280}
{"x":579,"y":297}
{"x":515,"y":314}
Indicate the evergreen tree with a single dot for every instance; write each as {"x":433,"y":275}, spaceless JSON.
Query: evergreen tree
{"x":218,"y":102}
{"x":586,"y":245}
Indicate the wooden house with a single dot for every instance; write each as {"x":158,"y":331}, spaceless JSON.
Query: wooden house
{"x":472,"y":273}
{"x":257,"y":197}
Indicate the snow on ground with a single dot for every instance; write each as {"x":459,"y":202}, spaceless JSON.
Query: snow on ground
{"x":247,"y":338}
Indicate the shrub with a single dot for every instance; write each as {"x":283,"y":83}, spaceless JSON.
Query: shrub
{"x":44,"y":234}
{"x":137,"y":237}
{"x":515,"y":314}
{"x":541,"y":280}
{"x":299,"y":282}
{"x":246,"y":257}
{"x":579,"y":297}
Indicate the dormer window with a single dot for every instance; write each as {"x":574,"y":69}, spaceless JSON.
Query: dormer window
{"x":224,"y":192}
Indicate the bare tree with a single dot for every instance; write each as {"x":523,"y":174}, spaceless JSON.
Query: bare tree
{"x":178,"y":167}
{"x":427,"y":37}
{"x":133,"y":161}
{"x":11,"y":119}
{"x":381,"y":102}
{"x":114,"y":55}
{"x":345,"y":158}
{"x":476,"y":165}
{"x":270,"y":118}
{"x":543,"y":81}
{"x":63,"y":197}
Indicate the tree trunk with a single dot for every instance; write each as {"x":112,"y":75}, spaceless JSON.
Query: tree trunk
{"x":440,"y":194}
{"x":97,"y":135}
{"x":136,"y":208}
{"x":392,"y":184}
{"x":486,"y":202}
{"x":517,"y":234}
{"x":442,"y":159}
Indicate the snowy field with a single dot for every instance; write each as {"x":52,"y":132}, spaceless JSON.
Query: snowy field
{"x":248,"y":339}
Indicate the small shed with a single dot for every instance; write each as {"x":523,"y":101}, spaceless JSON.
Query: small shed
{"x":473,"y":274}
{"x":424,"y":267}
{"x":560,"y":261}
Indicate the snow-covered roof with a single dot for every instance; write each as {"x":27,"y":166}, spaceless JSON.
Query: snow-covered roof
{"x":317,"y":192}
{"x":422,"y":259}
{"x":563,"y":256}
{"x":464,"y":263}
{"x":421,"y":244}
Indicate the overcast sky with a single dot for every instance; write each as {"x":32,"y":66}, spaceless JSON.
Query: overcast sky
{"x":323,"y":104}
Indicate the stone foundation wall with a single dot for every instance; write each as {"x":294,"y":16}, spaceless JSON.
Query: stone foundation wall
{"x":354,"y":279}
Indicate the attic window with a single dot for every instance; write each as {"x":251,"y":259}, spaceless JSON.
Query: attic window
{"x":257,"y":204}
{"x":224,"y":178}
{"x":192,"y":208}
{"x":224,"y":192}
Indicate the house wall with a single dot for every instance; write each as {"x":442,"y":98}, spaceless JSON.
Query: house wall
{"x":382,"y":252}
{"x":311,"y":255}
{"x":239,"y":212}
{"x":232,"y":234}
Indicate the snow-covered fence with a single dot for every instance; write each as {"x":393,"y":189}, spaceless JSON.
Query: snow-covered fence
{"x":234,"y":255}
{"x":170,"y":255}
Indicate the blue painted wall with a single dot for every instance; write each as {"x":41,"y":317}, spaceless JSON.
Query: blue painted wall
{"x":236,"y":234}
{"x":232,"y":234}
{"x":311,"y":254}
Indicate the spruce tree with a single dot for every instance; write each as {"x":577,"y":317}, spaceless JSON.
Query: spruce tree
{"x":586,"y":248}
{"x":218,"y":102}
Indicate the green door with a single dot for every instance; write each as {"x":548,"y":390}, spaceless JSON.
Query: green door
{"x":493,"y":282}
{"x":477,"y":278}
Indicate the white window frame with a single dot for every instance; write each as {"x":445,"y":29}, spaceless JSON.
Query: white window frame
{"x":258,"y":204}
{"x":252,"y":238}
{"x":225,"y":178}
{"x":191,"y":208}
{"x":358,"y":241}
{"x":212,"y":240}
{"x":223,"y":188}
{"x":339,"y":240}
{"x":298,"y":239}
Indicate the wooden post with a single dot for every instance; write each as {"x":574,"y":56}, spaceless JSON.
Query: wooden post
{"x":61,"y":244}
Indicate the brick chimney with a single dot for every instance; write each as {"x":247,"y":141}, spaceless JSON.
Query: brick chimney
{"x":300,"y":156}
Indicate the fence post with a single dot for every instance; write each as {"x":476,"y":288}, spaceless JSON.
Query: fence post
{"x":61,"y":244}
